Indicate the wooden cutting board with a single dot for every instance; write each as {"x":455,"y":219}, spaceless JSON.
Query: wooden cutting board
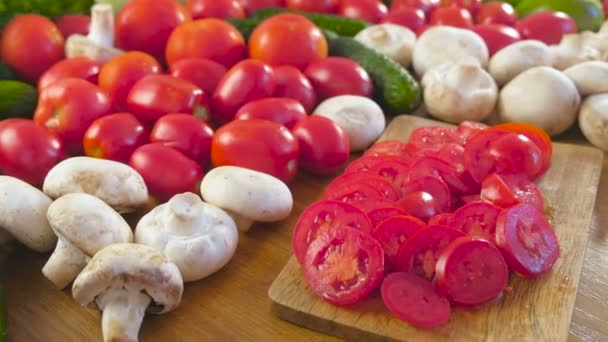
{"x":530,"y":310}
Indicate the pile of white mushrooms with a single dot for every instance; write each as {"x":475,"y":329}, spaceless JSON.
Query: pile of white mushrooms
{"x":126,"y":273}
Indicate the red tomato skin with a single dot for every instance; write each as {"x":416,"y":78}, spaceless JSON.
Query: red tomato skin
{"x":324,"y":147}
{"x":67,"y":108}
{"x":77,"y":67}
{"x":387,"y":190}
{"x":472,"y":6}
{"x":185,"y":133}
{"x":284,"y":111}
{"x":497,"y":36}
{"x":251,"y":6}
{"x":118,"y":76}
{"x":28,"y":151}
{"x":605,"y":7}
{"x":145,"y":26}
{"x":290,"y":82}
{"x":114,"y":137}
{"x":370,"y":10}
{"x":70,"y":24}
{"x":220,"y":9}
{"x":333,"y":76}
{"x":477,"y":219}
{"x":204,"y":73}
{"x":165,"y":170}
{"x":393,"y":232}
{"x":44,"y":45}
{"x":260,"y":145}
{"x":412,"y":18}
{"x":548,"y":27}
{"x":149,"y":100}
{"x":496,"y":12}
{"x":210,"y":38}
{"x":452,"y":16}
{"x":318,"y":6}
{"x":427,"y":6}
{"x":247,"y":81}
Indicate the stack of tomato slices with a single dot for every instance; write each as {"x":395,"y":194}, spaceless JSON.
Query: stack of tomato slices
{"x":436,"y":221}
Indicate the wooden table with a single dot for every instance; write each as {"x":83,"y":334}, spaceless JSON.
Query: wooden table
{"x":233,"y":305}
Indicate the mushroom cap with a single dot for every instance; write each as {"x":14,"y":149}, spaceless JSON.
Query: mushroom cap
{"x":117,"y":184}
{"x":593,"y":120}
{"x":135,"y":268}
{"x":254,"y":195}
{"x":395,"y":41}
{"x":87,"y":222}
{"x":198,"y":237}
{"x":518,"y":57}
{"x":589,"y":77}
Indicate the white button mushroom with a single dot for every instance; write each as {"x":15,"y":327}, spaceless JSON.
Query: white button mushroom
{"x":589,"y":77}
{"x":446,"y":44}
{"x":198,"y":237}
{"x":593,"y":120}
{"x":84,"y":225}
{"x":23,"y":214}
{"x":117,"y":184}
{"x":517,"y":58}
{"x":125,"y":281}
{"x":457,"y":92}
{"x":247,"y":195}
{"x":576,"y":48}
{"x":361,"y":118}
{"x":394,"y":41}
{"x":540,"y":96}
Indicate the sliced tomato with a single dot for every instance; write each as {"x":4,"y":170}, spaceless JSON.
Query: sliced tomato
{"x":388,"y":148}
{"x":507,"y":189}
{"x":425,"y":166}
{"x":355,"y":192}
{"x":321,"y":216}
{"x":471,"y":271}
{"x":393,"y":169}
{"x":419,"y":254}
{"x":516,"y":153}
{"x":432,"y":137}
{"x":421,"y":204}
{"x":477,"y":219}
{"x":478,"y":159}
{"x":367,"y":206}
{"x":444,"y":219}
{"x":380,"y":214}
{"x":365,"y":163}
{"x":527,"y":240}
{"x":467,"y":129}
{"x":393,"y":232}
{"x":364,"y":177}
{"x":415,"y":300}
{"x":433,"y":185}
{"x":534,"y":133}
{"x":344,"y":265}
{"x":454,"y":155}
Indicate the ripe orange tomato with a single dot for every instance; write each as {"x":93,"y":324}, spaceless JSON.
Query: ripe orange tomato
{"x":287,"y":39}
{"x":215,"y":9}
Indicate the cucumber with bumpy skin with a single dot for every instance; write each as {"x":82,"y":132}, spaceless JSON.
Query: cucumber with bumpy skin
{"x":245,"y":26}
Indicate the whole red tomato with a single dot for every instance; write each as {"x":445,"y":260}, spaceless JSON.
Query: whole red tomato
{"x":68,"y":106}
{"x":251,"y":6}
{"x":427,"y":6}
{"x":287,"y":39}
{"x":497,"y":36}
{"x":210,"y":38}
{"x":185,"y":133}
{"x":452,"y":16}
{"x":156,"y":95}
{"x":204,"y":73}
{"x":470,"y":5}
{"x":324,"y":147}
{"x":118,"y":76}
{"x":145,"y":25}
{"x":290,"y":82}
{"x":605,"y":6}
{"x":114,"y":137}
{"x":333,"y":76}
{"x":166,"y":171}
{"x":247,"y":81}
{"x":70,"y":24}
{"x":547,"y":26}
{"x":370,"y":10}
{"x":221,"y":9}
{"x":76,"y":67}
{"x":31,"y":44}
{"x":411,"y":18}
{"x":259,"y":145}
{"x":496,"y":12}
{"x":319,"y":6}
{"x":28,"y":151}
{"x":282,"y":110}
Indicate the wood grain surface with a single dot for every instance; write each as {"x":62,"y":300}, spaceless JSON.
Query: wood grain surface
{"x":233,"y":305}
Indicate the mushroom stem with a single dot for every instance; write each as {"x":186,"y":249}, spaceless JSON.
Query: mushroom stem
{"x":123,"y":313}
{"x":101,"y":30}
{"x":64,"y":264}
{"x":183,"y":215}
{"x":242,"y":223}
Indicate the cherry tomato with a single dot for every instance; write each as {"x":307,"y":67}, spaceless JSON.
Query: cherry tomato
{"x":146,"y":25}
{"x":365,"y":163}
{"x":497,"y":36}
{"x":204,"y":73}
{"x":496,"y":12}
{"x":156,"y":95}
{"x":454,"y":176}
{"x":291,"y":82}
{"x":427,"y":6}
{"x":287,"y":39}
{"x":332,"y":265}
{"x":68,"y":106}
{"x":477,"y":219}
{"x":114,"y":137}
{"x":211,"y":38}
{"x":412,"y":18}
{"x":506,"y":189}
{"x":393,"y":232}
{"x":472,"y":6}
{"x":220,"y":9}
{"x":444,"y":219}
{"x":247,"y":81}
{"x":431,"y":137}
{"x":388,"y":148}
{"x":547,"y":26}
{"x":281,"y":110}
{"x":77,"y":67}
{"x":333,"y":76}
{"x":435,"y":187}
{"x":370,"y":10}
{"x":534,"y":133}
{"x":31,"y":44}
{"x":422,"y":205}
{"x":452,"y":16}
{"x":28,"y":151}
{"x":467,"y":129}
{"x":70,"y":24}
{"x":347,"y":180}
{"x":185,"y":133}
{"x":318,"y":6}
{"x":260,"y":145}
{"x":251,"y":6}
{"x":355,"y":192}
{"x":380,"y":214}
{"x":118,"y":76}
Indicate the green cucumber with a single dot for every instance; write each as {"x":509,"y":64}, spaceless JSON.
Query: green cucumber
{"x":245,"y":26}
{"x":6,"y":72}
{"x":17,"y":99}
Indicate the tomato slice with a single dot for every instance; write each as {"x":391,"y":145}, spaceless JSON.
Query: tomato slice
{"x":467,"y":129}
{"x":516,"y":153}
{"x":432,"y":137}
{"x":454,"y":155}
{"x":435,"y":186}
{"x":366,"y":177}
{"x":526,"y":240}
{"x":392,"y":169}
{"x":365,"y":163}
{"x":415,"y":300}
{"x":477,"y":219}
{"x":477,"y":157}
{"x":471,"y":271}
{"x":419,"y":253}
{"x":508,"y":189}
{"x":321,"y":216}
{"x":444,"y":219}
{"x":421,"y":204}
{"x":355,"y":192}
{"x":393,"y":232}
{"x":380,"y":214}
{"x":534,"y":133}
{"x":426,"y":166}
{"x":344,"y":265}
{"x":368,"y":206}
{"x":388,"y":148}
